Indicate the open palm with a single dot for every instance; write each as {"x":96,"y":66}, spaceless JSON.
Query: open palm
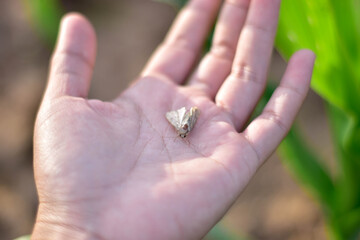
{"x":118,"y":170}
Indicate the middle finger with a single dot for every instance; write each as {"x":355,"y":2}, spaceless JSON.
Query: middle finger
{"x":242,"y":89}
{"x":216,"y":65}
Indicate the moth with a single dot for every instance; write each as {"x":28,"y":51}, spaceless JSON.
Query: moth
{"x":182,"y":120}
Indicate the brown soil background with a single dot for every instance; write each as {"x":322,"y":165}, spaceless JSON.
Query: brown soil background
{"x":272,"y":207}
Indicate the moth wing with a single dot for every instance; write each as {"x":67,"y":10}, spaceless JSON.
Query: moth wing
{"x":193,"y":116}
{"x":173,"y":118}
{"x":176,"y":117}
{"x":182,"y":114}
{"x":185,"y":119}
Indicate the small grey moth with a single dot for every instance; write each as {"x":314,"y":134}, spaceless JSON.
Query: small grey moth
{"x":182,"y":120}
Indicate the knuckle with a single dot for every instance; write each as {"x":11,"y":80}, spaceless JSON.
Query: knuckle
{"x":223,"y":50}
{"x":258,"y":28}
{"x":276,"y":119}
{"x":240,"y":4}
{"x":245,"y":72}
{"x":64,"y":61}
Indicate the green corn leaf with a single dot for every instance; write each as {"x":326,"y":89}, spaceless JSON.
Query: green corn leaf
{"x":320,"y":26}
{"x":45,"y":16}
{"x":351,"y":223}
{"x":348,"y":30}
{"x":307,"y":168}
{"x":348,"y":185}
{"x":331,"y":29}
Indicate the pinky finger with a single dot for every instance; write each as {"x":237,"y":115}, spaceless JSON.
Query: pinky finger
{"x":266,"y":132}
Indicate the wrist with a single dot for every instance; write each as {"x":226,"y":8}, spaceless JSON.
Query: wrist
{"x":51,"y":225}
{"x":51,"y":230}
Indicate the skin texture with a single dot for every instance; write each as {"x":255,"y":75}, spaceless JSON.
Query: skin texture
{"x":118,"y":170}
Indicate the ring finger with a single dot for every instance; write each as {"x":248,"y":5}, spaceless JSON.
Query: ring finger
{"x":242,"y":89}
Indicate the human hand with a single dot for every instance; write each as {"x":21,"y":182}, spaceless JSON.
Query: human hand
{"x":118,"y":170}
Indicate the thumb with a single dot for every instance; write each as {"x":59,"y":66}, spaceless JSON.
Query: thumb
{"x":74,"y":58}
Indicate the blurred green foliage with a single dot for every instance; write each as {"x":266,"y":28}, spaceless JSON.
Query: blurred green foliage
{"x":331,"y":28}
{"x":45,"y":16}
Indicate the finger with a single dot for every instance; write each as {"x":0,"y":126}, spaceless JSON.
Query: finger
{"x":244,"y":86}
{"x":175,"y":57}
{"x":265,"y":133}
{"x":216,"y":65}
{"x":74,"y":58}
